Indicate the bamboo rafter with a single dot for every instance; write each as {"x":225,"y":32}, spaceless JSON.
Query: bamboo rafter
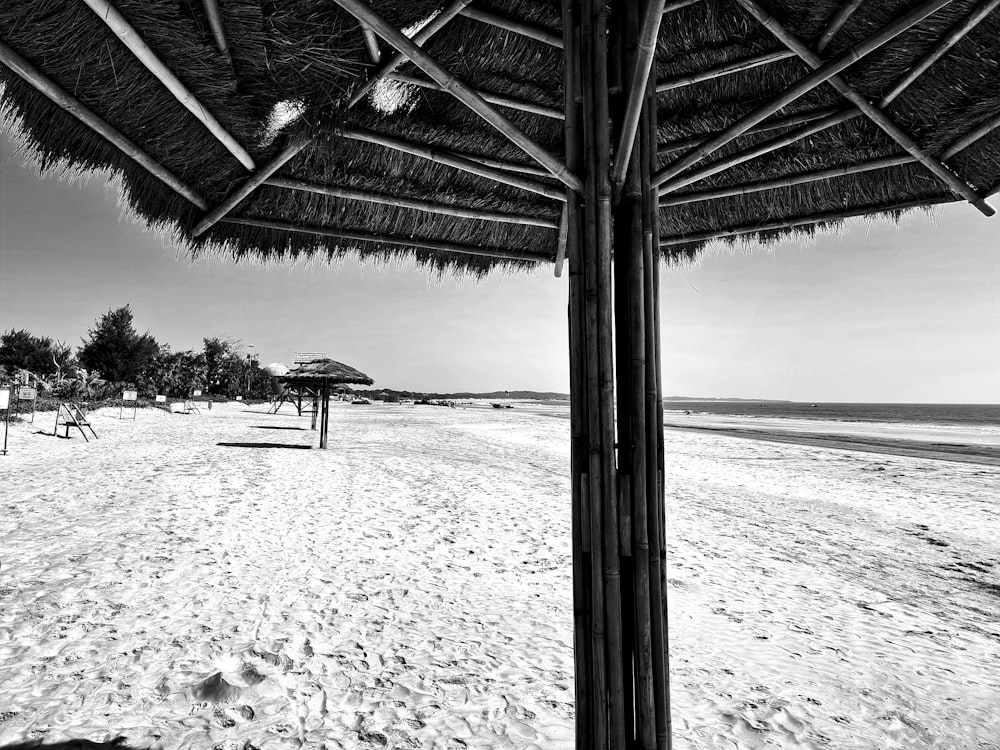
{"x":498,"y":99}
{"x":877,"y":116}
{"x":447,"y":209}
{"x":451,"y":159}
{"x":720,"y":71}
{"x":420,"y":38}
{"x":798,"y":89}
{"x":384,"y":239}
{"x":371,"y":42}
{"x":56,"y":94}
{"x":678,"y":4}
{"x":131,"y":39}
{"x":218,"y":30}
{"x":460,"y":91}
{"x":837,"y":23}
{"x":517,"y":27}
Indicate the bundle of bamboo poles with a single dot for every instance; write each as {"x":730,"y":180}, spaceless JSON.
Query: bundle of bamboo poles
{"x":619,"y":566}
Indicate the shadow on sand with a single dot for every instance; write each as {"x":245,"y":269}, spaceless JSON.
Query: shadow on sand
{"x":273,"y":427}
{"x":116,"y":744}
{"x":260,"y":445}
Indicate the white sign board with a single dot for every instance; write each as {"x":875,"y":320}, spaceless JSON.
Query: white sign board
{"x":130,"y":395}
{"x":27,"y":394}
{"x":161,"y":399}
{"x":4,"y":398}
{"x":195,"y":393}
{"x":239,"y":398}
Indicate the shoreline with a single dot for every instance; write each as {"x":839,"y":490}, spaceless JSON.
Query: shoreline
{"x":985,"y":455}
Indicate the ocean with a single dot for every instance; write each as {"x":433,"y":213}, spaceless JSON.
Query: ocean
{"x":926,"y":414}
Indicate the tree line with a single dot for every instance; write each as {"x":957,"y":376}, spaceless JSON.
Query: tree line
{"x":114,"y":356}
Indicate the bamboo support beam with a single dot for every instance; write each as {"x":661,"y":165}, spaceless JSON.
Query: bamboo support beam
{"x":420,"y":38}
{"x":537,"y":33}
{"x":822,"y":74}
{"x":459,"y":90}
{"x":645,"y":51}
{"x":385,"y":239}
{"x":218,"y":30}
{"x":953,"y":37}
{"x":371,"y":42}
{"x":801,"y":221}
{"x":240,"y":192}
{"x":785,"y":139}
{"x":561,"y":242}
{"x":450,"y":159}
{"x":445,"y":209}
{"x":721,"y":71}
{"x":873,"y":113}
{"x":51,"y":90}
{"x":801,"y":118}
{"x":498,"y":99}
{"x":837,"y":23}
{"x":955,"y":148}
{"x":131,"y":39}
{"x":505,"y":166}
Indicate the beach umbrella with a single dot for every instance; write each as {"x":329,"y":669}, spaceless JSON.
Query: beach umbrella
{"x":322,"y":374}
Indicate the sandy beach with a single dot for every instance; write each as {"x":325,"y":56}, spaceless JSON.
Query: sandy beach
{"x":201,"y":581}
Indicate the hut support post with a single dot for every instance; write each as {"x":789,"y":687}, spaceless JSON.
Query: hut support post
{"x":617,"y":510}
{"x":324,"y":411}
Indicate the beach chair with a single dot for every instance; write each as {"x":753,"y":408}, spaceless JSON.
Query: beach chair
{"x":72,"y":415}
{"x":191,"y":408}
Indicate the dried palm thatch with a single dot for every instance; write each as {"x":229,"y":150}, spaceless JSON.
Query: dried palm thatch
{"x":318,"y":370}
{"x":288,"y":70}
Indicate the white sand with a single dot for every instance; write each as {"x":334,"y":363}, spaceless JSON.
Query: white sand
{"x":410,"y":587}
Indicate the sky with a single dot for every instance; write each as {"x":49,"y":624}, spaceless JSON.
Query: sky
{"x":873,"y":312}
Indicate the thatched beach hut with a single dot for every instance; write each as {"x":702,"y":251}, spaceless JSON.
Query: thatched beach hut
{"x":318,"y":377}
{"x":526,"y":133}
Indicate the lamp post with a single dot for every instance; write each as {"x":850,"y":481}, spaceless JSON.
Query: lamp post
{"x":251,"y":358}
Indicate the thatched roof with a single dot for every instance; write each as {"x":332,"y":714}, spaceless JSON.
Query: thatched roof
{"x":326,"y":369}
{"x":311,"y":56}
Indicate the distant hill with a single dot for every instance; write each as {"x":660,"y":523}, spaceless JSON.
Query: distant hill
{"x":463,"y":395}
{"x":751,"y":400}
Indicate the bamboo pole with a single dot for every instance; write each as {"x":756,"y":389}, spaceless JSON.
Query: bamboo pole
{"x":505,"y":166}
{"x":837,"y":22}
{"x":410,"y":242}
{"x":459,"y":90}
{"x":579,"y":449}
{"x":446,"y":209}
{"x":801,"y":221}
{"x":218,"y":30}
{"x":324,"y":404}
{"x":131,"y":39}
{"x":499,"y":99}
{"x":52,"y":91}
{"x":983,"y":129}
{"x":953,"y":37}
{"x":440,"y":156}
{"x":643,"y":63}
{"x":785,"y":139}
{"x":371,"y":42}
{"x":677,"y":5}
{"x":804,"y":85}
{"x":873,"y":113}
{"x":561,"y":242}
{"x":315,"y":411}
{"x":420,"y":38}
{"x":721,"y":71}
{"x":517,"y":27}
{"x":241,"y":191}
{"x":776,"y":124}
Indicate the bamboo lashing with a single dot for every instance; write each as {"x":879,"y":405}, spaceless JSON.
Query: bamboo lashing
{"x":837,"y":23}
{"x":52,"y":91}
{"x":460,"y":91}
{"x":801,"y":221}
{"x":561,"y":241}
{"x":441,"y":156}
{"x":723,"y":70}
{"x":218,"y":30}
{"x":801,"y":118}
{"x":445,"y":209}
{"x":385,"y":239}
{"x":131,"y":39}
{"x":498,"y":99}
{"x":801,"y":87}
{"x":646,"y":49}
{"x":421,"y":37}
{"x":241,"y":191}
{"x":944,"y":174}
{"x":954,"y":35}
{"x":517,"y":27}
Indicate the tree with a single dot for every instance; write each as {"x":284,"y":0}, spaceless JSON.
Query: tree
{"x":116,"y":350}
{"x":219,"y":356}
{"x":40,"y":355}
{"x":175,"y":373}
